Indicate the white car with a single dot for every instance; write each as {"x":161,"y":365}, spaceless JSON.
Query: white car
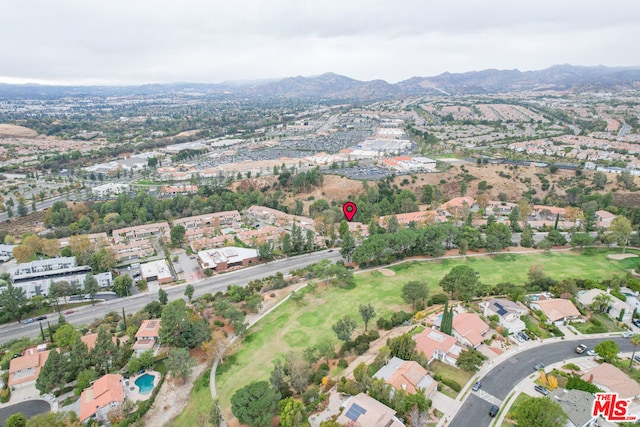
{"x":627,"y":334}
{"x":591,"y":353}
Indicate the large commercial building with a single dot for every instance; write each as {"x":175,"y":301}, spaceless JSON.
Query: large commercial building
{"x":35,"y":277}
{"x":225,"y":258}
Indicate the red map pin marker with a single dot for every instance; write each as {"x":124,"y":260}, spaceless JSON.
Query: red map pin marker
{"x":349,"y":210}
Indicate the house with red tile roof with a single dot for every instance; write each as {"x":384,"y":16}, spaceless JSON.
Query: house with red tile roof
{"x":456,"y":204}
{"x":406,"y":375}
{"x":604,"y":218}
{"x":147,"y":336}
{"x":27,"y":367}
{"x":90,"y":340}
{"x":437,"y":345}
{"x":469,"y":329}
{"x":105,"y":394}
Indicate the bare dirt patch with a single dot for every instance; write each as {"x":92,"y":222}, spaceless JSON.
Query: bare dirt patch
{"x":386,"y":272}
{"x":621,"y":256}
{"x":7,"y":130}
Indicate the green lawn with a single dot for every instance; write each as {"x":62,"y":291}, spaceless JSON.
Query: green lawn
{"x":532,"y":324}
{"x":522,"y":398}
{"x":293,"y":327}
{"x":452,"y":373}
{"x":606,"y":325}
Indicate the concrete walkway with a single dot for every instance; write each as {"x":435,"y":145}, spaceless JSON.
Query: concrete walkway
{"x":336,"y":401}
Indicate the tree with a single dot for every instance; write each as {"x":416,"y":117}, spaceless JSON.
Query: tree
{"x":65,"y":336}
{"x":179,"y":363}
{"x":367,"y":312}
{"x":53,"y":373}
{"x":16,"y":420}
{"x":188,"y":292}
{"x":61,"y":289}
{"x":13,"y":300}
{"x":255,"y":404}
{"x":463,"y":280}
{"x":84,"y":379}
{"x":177,"y":234}
{"x":501,"y":232}
{"x":601,"y":302}
{"x":635,"y":342}
{"x":265,"y":251}
{"x":403,"y":347}
{"x":540,"y":412}
{"x":581,"y":239}
{"x":621,"y":229}
{"x":178,"y":329}
{"x":415,"y":291}
{"x":299,"y":372}
{"x":79,"y":358}
{"x":103,"y":260}
{"x":104,"y":351}
{"x":446,"y":325}
{"x":470,"y":360}
{"x":348,"y":243}
{"x":344,"y":328}
{"x":54,"y":419}
{"x":91,"y":287}
{"x":215,"y":415}
{"x":163,"y":298}
{"x":608,"y":350}
{"x":326,"y":349}
{"x":122,"y":285}
{"x":599,"y":180}
{"x":292,"y":413}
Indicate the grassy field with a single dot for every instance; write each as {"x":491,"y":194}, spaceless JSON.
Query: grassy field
{"x":293,"y":327}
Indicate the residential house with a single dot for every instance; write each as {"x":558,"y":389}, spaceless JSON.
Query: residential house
{"x":147,"y":336}
{"x":508,"y":313}
{"x":105,"y":394}
{"x":577,"y":404}
{"x":610,"y":378}
{"x":557,"y":310}
{"x":615,"y":306}
{"x":456,"y":205}
{"x":279,"y":218}
{"x":406,"y":375}
{"x":90,"y":340}
{"x":437,"y":345}
{"x":27,"y":367}
{"x":158,"y":229}
{"x":469,"y":329}
{"x":366,"y":411}
{"x":174,"y":190}
{"x":604,"y":218}
{"x":6,"y":252}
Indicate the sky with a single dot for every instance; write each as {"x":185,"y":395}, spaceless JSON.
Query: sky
{"x":157,"y":41}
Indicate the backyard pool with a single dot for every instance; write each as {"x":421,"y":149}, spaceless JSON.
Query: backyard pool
{"x":145,"y":383}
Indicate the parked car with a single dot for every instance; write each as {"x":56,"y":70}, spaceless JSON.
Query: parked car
{"x":581,"y":348}
{"x":627,"y":334}
{"x":637,"y":358}
{"x":494,"y":410}
{"x":41,"y":318}
{"x":476,"y":386}
{"x":524,"y":336}
{"x":538,"y":366}
{"x":541,"y":389}
{"x":29,"y":320}
{"x":636,"y":322}
{"x":591,"y":353}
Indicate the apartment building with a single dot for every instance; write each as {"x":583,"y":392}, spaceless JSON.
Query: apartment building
{"x":157,"y":229}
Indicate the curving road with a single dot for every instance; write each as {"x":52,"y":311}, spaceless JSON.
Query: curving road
{"x":88,"y":314}
{"x":502,"y":379}
{"x":29,"y":408}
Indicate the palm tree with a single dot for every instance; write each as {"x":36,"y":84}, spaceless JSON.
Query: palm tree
{"x":635,"y":342}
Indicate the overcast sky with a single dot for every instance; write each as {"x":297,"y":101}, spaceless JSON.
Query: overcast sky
{"x":147,"y":41}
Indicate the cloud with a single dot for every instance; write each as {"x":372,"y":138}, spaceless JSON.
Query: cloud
{"x":208,"y":41}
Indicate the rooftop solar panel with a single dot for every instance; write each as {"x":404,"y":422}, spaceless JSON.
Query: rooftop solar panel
{"x":355,"y":411}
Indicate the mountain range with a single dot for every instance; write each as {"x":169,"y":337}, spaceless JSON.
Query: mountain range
{"x":330,"y":86}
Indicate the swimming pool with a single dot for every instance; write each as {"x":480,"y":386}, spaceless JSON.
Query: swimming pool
{"x":145,"y":383}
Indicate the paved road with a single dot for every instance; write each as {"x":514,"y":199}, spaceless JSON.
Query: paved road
{"x":88,"y":314}
{"x":29,"y":408}
{"x":502,"y":379}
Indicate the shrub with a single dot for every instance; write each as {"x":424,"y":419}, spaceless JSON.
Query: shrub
{"x":5,"y":395}
{"x":577,"y":383}
{"x":571,"y":367}
{"x":452,"y":384}
{"x":595,"y":322}
{"x":343,"y":364}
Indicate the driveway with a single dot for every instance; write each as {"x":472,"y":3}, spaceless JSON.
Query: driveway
{"x":29,"y":408}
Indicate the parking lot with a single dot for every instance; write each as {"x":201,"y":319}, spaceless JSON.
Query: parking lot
{"x":371,"y":173}
{"x":187,"y":267}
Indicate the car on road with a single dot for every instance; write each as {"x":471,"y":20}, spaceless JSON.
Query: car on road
{"x":41,"y":318}
{"x":476,"y":386}
{"x":538,"y":366}
{"x":627,"y":334}
{"x":29,"y":320}
{"x":493,"y":411}
{"x":581,"y":348}
{"x":541,"y":389}
{"x":69,"y":312}
{"x":591,"y":353}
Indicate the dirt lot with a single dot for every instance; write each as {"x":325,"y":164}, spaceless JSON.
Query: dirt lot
{"x":7,"y":130}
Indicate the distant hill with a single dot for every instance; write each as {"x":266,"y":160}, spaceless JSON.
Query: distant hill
{"x":330,"y":86}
